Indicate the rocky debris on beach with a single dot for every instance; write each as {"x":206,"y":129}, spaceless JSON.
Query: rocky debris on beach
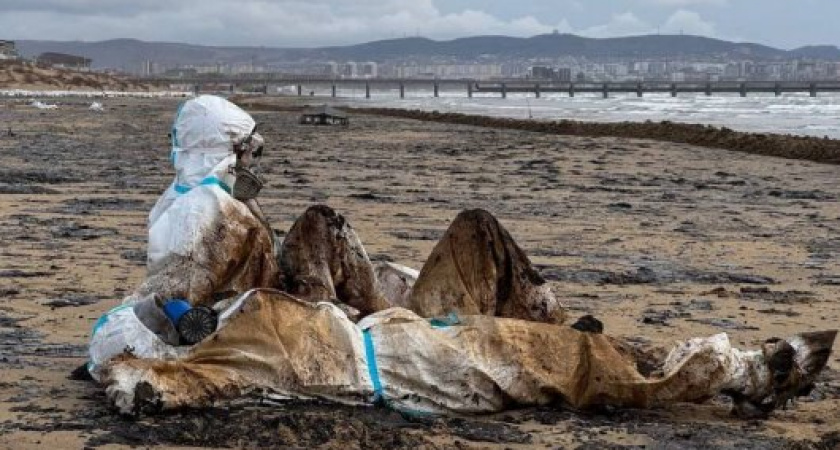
{"x":94,"y":205}
{"x":72,"y":300}
{"x":650,"y":275}
{"x":72,"y":229}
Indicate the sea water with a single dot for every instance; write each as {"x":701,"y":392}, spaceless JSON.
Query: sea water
{"x":795,"y":113}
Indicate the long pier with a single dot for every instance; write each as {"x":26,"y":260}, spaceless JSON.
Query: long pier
{"x":305,"y":86}
{"x":640,"y":89}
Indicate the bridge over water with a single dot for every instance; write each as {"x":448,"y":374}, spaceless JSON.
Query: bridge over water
{"x":310,"y":85}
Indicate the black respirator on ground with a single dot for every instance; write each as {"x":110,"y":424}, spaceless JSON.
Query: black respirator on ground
{"x":248,"y":183}
{"x":192,"y":323}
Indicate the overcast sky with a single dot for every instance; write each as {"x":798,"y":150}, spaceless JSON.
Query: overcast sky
{"x":305,"y":23}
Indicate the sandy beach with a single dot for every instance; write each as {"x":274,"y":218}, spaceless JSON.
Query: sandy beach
{"x":661,"y":241}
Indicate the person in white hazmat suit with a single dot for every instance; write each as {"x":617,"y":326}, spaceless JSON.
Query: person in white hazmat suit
{"x":477,"y":330}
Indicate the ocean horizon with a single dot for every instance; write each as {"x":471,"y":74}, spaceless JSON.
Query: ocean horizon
{"x":796,"y":114}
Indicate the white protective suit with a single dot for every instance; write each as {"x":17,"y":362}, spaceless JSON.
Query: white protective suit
{"x":203,"y":134}
{"x":184,"y":249}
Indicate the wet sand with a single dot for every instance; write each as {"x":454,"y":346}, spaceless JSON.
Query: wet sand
{"x":661,"y":241}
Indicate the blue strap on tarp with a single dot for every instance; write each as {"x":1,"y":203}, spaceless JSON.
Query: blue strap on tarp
{"x":209,"y":181}
{"x":373,"y":370}
{"x":378,"y":393}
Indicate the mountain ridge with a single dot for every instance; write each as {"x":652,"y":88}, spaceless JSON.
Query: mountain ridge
{"x":123,"y":52}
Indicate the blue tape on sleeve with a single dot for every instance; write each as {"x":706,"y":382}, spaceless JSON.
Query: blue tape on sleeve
{"x":370,"y":356}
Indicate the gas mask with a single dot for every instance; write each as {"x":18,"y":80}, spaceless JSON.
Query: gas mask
{"x":249,"y":154}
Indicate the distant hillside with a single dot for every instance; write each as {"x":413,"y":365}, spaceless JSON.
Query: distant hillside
{"x":554,"y":45}
{"x":130,"y":53}
{"x":826,"y":52}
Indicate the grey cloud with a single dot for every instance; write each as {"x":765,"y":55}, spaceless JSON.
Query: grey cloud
{"x":689,"y":22}
{"x":622,"y":24}
{"x":684,"y":3}
{"x":317,"y":22}
{"x":85,"y":7}
{"x":337,"y":22}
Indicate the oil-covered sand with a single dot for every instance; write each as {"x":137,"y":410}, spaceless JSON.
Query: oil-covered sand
{"x":660,"y":241}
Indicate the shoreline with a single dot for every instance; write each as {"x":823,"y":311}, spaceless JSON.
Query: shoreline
{"x":798,"y":147}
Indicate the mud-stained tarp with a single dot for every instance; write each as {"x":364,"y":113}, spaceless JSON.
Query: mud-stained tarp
{"x":477,"y":268}
{"x":500,"y":343}
{"x":274,"y":343}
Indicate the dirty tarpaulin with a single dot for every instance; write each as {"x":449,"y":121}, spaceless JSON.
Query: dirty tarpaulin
{"x":274,"y":343}
{"x":475,"y":268}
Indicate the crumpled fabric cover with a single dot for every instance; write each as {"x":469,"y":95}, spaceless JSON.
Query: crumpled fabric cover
{"x":395,"y":281}
{"x":273,"y":343}
{"x":461,"y":275}
{"x":138,"y":325}
{"x":485,"y":364}
{"x":476,"y":268}
{"x":268,"y":342}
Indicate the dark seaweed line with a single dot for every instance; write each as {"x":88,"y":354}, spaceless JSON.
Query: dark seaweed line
{"x":822,"y":150}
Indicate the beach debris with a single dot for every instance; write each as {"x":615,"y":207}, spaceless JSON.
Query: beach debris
{"x":72,"y":300}
{"x":41,"y":105}
{"x":763,"y":293}
{"x":17,"y":273}
{"x":137,"y":257}
{"x":96,"y":106}
{"x":727,"y":324}
{"x":653,"y":274}
{"x":80,"y":231}
{"x":661,"y":317}
{"x":324,"y":115}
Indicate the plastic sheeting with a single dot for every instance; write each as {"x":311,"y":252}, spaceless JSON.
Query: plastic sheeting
{"x":276,"y":344}
{"x":395,"y":281}
{"x":41,"y":105}
{"x":140,"y":327}
{"x":129,"y":328}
